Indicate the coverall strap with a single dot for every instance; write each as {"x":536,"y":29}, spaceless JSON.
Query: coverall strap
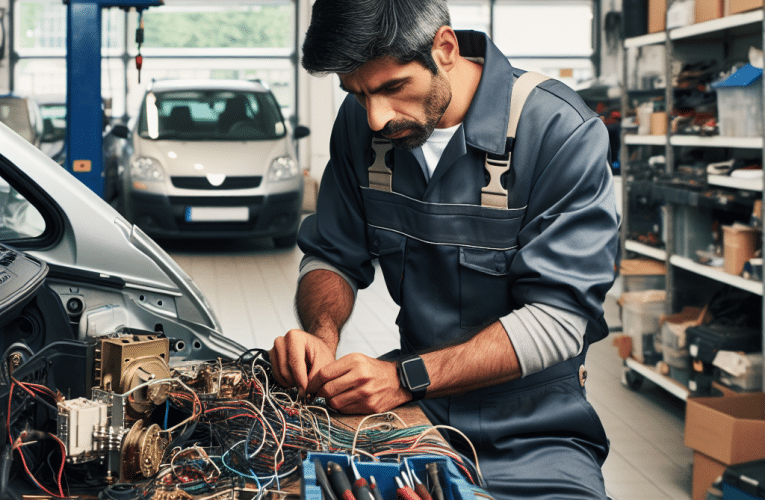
{"x":380,"y":176}
{"x":494,"y":195}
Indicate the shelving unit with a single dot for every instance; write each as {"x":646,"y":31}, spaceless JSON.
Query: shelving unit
{"x":723,"y":35}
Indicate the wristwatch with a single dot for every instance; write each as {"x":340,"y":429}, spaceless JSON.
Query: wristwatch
{"x":413,"y":375}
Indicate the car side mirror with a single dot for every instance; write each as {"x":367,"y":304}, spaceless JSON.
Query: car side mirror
{"x":301,"y":131}
{"x":120,"y":131}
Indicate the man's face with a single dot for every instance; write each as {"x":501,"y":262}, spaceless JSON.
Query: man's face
{"x":404,"y":102}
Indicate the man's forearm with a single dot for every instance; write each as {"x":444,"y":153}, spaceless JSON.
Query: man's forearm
{"x":324,"y":303}
{"x":487,"y":359}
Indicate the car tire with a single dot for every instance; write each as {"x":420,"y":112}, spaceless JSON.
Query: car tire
{"x":286,"y":241}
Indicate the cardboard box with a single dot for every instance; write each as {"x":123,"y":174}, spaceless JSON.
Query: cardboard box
{"x":729,"y":429}
{"x":737,"y":6}
{"x":706,"y":470}
{"x":657,"y":15}
{"x":642,"y":274}
{"x":706,"y":10}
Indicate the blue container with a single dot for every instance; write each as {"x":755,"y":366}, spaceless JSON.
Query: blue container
{"x":453,"y":484}
{"x":744,"y":481}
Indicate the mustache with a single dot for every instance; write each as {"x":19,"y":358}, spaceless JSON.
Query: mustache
{"x":393,"y":127}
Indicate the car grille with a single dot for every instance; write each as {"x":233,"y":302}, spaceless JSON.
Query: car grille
{"x":242,"y":182}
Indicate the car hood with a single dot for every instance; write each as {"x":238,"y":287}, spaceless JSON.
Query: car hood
{"x":97,"y":239}
{"x":198,"y":158}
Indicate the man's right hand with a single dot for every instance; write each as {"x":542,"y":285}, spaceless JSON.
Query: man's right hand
{"x":297,"y":356}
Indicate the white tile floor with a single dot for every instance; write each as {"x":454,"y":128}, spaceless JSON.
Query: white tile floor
{"x":251,"y":287}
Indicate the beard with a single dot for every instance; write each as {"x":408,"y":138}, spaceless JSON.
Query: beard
{"x":439,"y":97}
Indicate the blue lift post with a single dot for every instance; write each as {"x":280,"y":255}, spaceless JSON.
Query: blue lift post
{"x":83,"y":87}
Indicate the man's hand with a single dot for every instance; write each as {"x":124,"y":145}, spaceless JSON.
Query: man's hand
{"x":297,"y":357}
{"x":358,"y":384}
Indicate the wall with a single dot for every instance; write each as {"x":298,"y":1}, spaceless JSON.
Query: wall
{"x":4,"y":64}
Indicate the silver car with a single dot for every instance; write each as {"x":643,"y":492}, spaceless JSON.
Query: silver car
{"x":212,"y":158}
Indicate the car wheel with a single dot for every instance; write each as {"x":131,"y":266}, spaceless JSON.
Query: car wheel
{"x":286,"y":241}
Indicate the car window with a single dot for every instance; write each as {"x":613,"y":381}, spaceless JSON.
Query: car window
{"x":19,"y":219}
{"x":13,"y":112}
{"x":211,"y":115}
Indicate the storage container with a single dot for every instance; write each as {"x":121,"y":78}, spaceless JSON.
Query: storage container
{"x":744,"y":481}
{"x":642,"y":274}
{"x":748,"y":377}
{"x":693,"y":230}
{"x":641,"y":312}
{"x":704,"y":341}
{"x":739,"y":103}
{"x":453,"y":484}
{"x":740,"y":243}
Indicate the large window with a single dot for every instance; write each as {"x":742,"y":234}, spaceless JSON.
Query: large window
{"x":242,"y":40}
{"x":553,"y":37}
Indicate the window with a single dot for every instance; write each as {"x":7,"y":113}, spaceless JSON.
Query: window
{"x":18,"y":218}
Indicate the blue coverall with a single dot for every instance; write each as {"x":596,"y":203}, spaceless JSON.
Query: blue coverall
{"x":455,"y":267}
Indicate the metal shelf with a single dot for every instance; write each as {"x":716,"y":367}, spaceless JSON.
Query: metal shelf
{"x":645,"y":140}
{"x":672,"y":386}
{"x":735,"y":182}
{"x":717,"y":275}
{"x":716,"y":141}
{"x":654,"y":253}
{"x":714,"y":26}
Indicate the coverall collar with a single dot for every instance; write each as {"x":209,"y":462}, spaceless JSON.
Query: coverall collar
{"x":485,"y":122}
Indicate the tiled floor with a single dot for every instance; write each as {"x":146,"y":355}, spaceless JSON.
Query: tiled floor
{"x":251,"y":287}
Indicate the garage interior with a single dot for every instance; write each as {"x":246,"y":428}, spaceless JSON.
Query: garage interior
{"x":619,"y":66}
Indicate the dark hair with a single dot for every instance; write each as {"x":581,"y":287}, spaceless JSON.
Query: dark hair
{"x":345,"y":34}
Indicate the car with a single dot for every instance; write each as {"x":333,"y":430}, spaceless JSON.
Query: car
{"x":212,"y":159}
{"x":90,"y":271}
{"x":22,"y":114}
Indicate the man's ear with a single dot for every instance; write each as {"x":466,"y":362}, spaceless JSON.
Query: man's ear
{"x":445,"y":48}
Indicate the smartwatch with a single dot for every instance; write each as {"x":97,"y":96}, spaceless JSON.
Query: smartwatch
{"x":413,"y":375}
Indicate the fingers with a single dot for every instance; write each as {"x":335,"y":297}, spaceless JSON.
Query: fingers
{"x":297,"y":354}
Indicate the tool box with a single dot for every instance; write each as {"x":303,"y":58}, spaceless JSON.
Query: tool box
{"x":744,"y":481}
{"x":705,"y":340}
{"x":453,"y":484}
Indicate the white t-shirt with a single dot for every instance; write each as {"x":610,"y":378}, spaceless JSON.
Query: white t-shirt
{"x":430,"y":153}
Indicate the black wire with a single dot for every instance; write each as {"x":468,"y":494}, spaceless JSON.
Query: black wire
{"x":5,"y":469}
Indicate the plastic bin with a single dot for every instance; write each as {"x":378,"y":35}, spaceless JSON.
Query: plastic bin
{"x":744,"y":481}
{"x":704,"y":341}
{"x":739,"y":103}
{"x":453,"y":483}
{"x":641,"y":312}
{"x":750,"y":379}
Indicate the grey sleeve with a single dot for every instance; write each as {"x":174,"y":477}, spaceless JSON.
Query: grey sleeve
{"x":543,"y":335}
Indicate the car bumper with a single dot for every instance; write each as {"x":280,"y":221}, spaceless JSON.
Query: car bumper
{"x":161,"y":216}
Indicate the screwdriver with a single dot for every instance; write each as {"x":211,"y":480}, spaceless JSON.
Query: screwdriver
{"x":360,"y":487}
{"x":323,"y":480}
{"x":420,"y":488}
{"x":404,"y":492}
{"x":375,"y":489}
{"x":432,"y":469}
{"x":339,"y":482}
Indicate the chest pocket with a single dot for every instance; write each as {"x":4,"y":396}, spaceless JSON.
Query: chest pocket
{"x":485,"y":284}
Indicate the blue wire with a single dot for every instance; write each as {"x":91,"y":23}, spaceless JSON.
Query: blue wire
{"x":167,"y":412}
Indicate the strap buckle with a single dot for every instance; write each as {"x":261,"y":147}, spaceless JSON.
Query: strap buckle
{"x":380,"y":176}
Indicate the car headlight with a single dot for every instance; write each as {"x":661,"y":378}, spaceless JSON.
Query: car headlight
{"x":283,"y":168}
{"x":146,"y":169}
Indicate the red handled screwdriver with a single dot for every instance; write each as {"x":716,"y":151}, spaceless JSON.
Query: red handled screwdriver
{"x":360,"y":487}
{"x":404,"y":492}
{"x":375,"y":489}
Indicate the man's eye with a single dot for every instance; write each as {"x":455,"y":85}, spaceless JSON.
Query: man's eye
{"x":393,"y":90}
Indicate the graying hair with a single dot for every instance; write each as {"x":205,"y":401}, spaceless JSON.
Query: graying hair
{"x":345,"y":34}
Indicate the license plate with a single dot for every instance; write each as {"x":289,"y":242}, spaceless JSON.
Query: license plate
{"x":217,"y":214}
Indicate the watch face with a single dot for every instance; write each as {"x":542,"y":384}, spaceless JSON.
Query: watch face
{"x":415,"y":373}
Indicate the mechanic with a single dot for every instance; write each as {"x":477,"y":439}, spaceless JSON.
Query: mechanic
{"x":498,"y":300}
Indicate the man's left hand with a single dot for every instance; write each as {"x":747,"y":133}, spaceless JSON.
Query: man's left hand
{"x":359,"y":384}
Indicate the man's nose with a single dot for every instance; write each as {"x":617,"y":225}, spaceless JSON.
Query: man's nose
{"x":379,"y":113}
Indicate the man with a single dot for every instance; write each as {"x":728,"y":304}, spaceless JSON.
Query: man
{"x":498,"y":300}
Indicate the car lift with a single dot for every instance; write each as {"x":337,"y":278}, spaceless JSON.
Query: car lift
{"x":83,"y":87}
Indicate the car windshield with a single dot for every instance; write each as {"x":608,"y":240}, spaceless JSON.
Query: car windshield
{"x":216,"y":115}
{"x":13,"y":112}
